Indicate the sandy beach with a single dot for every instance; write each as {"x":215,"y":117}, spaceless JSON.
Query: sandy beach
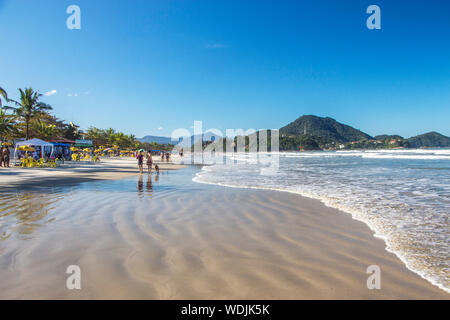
{"x":166,"y":237}
{"x":106,"y":169}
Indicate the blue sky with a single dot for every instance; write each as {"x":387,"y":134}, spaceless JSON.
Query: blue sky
{"x":149,"y":67}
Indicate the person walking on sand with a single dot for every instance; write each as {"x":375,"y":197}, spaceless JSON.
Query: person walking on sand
{"x":140,"y":159}
{"x":162,"y":156}
{"x":149,"y":161}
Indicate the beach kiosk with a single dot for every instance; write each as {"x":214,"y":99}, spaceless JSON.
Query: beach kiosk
{"x":62,"y":148}
{"x":43,"y":146}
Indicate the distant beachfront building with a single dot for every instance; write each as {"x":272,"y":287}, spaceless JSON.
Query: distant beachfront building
{"x":393,"y":141}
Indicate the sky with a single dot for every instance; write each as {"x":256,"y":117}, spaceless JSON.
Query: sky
{"x":149,"y":67}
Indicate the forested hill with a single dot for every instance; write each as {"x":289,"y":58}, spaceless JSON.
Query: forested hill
{"x":430,"y":139}
{"x":327,"y":129}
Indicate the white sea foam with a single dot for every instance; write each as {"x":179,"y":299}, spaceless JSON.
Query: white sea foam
{"x":402,"y":195}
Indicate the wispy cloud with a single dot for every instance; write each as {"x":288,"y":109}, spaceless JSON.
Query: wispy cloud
{"x":160,"y":128}
{"x":50,"y":93}
{"x":216,"y":46}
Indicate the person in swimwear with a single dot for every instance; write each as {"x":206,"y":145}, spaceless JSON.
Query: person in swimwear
{"x":140,"y":159}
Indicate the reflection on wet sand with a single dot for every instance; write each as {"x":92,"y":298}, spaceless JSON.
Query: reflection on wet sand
{"x":140,"y":185}
{"x":149,"y":183}
{"x":23,"y":212}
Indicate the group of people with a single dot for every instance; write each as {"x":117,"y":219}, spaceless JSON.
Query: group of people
{"x":165,"y":155}
{"x":5,"y":155}
{"x":149,"y":161}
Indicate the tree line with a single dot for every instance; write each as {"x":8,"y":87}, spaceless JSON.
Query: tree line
{"x":29,"y":117}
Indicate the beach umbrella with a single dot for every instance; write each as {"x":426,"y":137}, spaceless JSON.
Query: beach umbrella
{"x":26,"y":148}
{"x":87,"y":150}
{"x":111,"y":151}
{"x":98,"y":151}
{"x":73,"y":149}
{"x":6,"y":144}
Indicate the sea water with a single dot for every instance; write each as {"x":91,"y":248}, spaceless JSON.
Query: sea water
{"x":402,"y":195}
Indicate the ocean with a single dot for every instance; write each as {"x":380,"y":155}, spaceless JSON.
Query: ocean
{"x":402,"y":195}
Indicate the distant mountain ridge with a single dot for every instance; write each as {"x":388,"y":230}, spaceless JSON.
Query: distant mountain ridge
{"x":157,"y":139}
{"x":311,"y":132}
{"x":186,"y":142}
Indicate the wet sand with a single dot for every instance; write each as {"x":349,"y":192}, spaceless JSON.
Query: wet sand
{"x":175,"y":239}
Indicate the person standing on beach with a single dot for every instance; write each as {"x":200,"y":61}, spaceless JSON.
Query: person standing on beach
{"x":149,"y":161}
{"x":1,"y":156}
{"x":162,"y":156}
{"x":6,"y":153}
{"x":140,"y":159}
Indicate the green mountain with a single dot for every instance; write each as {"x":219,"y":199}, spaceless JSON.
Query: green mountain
{"x":430,"y":139}
{"x":317,"y":133}
{"x":323,"y":130}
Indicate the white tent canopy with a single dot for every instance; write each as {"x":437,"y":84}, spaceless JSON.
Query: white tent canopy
{"x":34,"y":143}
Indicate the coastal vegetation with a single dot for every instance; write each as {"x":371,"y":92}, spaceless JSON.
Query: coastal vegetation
{"x":29,"y":117}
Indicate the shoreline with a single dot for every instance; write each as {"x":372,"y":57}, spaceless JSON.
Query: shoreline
{"x":245,"y":244}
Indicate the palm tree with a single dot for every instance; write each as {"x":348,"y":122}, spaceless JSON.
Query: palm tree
{"x":7,"y":125}
{"x":71,"y":131}
{"x":29,"y":107}
{"x":97,"y":136}
{"x":4,"y":95}
{"x":45,"y":130}
{"x":120,"y":139}
{"x":111,"y":136}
